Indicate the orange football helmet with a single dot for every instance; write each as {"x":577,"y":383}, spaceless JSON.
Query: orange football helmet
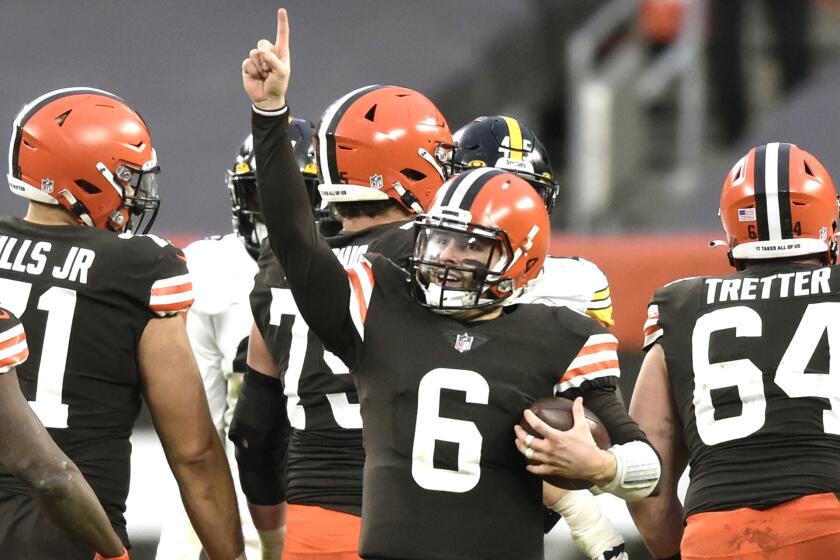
{"x":779,"y":201}
{"x":381,"y":142}
{"x":483,"y":241}
{"x":86,"y":150}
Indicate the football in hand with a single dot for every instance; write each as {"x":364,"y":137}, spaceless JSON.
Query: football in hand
{"x":557,"y":413}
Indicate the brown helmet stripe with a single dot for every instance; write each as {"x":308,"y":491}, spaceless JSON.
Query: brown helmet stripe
{"x":772,"y":191}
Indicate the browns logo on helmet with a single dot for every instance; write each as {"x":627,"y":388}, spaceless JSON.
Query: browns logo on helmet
{"x":779,"y":201}
{"x":380,"y":142}
{"x":483,"y":241}
{"x":88,"y":151}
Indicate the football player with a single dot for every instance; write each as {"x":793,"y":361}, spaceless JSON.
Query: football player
{"x":30,"y":454}
{"x":103,"y":310}
{"x":222,"y":269}
{"x":442,"y":368}
{"x":739,"y":380}
{"x":374,"y":190}
{"x":507,"y":143}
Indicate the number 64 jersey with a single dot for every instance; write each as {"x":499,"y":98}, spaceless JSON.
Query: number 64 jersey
{"x":755,"y":381}
{"x":84,"y":296}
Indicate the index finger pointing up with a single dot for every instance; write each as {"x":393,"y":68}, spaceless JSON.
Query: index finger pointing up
{"x":281,"y":42}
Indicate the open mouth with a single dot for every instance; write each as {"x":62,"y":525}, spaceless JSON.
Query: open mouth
{"x":451,"y":280}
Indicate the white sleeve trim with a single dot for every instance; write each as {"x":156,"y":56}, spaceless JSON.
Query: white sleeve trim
{"x":272,"y":112}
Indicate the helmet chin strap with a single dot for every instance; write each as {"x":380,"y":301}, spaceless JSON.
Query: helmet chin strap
{"x":408,"y":198}
{"x":520,"y":251}
{"x":76,"y":208}
{"x":110,"y":178}
{"x":432,"y":161}
{"x":117,"y":220}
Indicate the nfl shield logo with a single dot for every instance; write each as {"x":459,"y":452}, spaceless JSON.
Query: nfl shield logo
{"x":47,"y":185}
{"x":463,"y":342}
{"x":376,"y":182}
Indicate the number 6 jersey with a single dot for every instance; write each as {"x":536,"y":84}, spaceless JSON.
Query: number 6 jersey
{"x":439,"y":398}
{"x":755,"y":383}
{"x":84,"y":296}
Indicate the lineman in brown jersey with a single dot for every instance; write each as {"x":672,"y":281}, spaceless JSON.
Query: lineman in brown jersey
{"x":103,"y":310}
{"x":738,"y":379}
{"x":428,"y":472}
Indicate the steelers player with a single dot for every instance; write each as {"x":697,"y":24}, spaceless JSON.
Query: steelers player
{"x":507,"y":143}
{"x":218,"y":324}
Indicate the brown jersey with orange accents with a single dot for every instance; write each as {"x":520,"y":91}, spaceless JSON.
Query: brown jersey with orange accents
{"x":84,"y":297}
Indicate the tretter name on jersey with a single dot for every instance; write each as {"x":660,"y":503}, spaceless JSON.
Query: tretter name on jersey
{"x":782,"y":285}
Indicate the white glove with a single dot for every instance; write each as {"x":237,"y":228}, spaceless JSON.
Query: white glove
{"x":592,"y":532}
{"x":271,"y":543}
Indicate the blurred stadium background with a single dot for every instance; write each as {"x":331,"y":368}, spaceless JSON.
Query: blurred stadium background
{"x":643,"y":104}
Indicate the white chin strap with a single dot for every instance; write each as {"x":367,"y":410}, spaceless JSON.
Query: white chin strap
{"x":432,"y":161}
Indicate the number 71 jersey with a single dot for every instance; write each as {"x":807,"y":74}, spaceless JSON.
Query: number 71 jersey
{"x":84,"y":297}
{"x":754,"y":366}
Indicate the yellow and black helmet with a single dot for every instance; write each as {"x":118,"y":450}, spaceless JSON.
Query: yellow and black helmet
{"x":241,"y":181}
{"x":505,"y":143}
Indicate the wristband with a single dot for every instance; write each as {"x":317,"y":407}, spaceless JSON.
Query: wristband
{"x":271,"y":112}
{"x":637,"y":471}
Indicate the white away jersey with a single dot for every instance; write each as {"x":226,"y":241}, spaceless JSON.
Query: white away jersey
{"x":220,"y":318}
{"x":575,"y":283}
{"x":217,"y":324}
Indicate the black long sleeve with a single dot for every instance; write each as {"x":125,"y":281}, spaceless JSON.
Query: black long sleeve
{"x":315,"y":276}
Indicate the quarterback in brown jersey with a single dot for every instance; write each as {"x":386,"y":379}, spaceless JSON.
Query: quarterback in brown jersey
{"x":443,"y":369}
{"x":103,"y":308}
{"x":740,"y":379}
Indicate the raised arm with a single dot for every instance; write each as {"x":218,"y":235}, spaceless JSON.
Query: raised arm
{"x":175,"y":395}
{"x":659,"y":518}
{"x":316,"y":277}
